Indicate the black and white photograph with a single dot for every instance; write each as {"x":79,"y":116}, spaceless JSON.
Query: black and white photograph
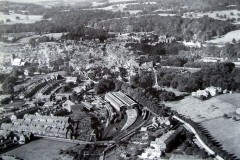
{"x":119,"y":79}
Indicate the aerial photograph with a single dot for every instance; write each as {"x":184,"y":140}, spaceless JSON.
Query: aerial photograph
{"x":119,"y":79}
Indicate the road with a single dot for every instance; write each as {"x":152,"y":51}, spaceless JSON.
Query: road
{"x":209,"y":150}
{"x":192,"y":70}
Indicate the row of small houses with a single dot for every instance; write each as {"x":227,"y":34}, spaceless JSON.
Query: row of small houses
{"x":53,"y":126}
{"x":48,"y":87}
{"x":33,"y":88}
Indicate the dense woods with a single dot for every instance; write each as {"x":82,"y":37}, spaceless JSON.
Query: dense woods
{"x":201,"y":29}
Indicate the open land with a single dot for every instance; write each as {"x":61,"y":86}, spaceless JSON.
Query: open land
{"x":40,"y":149}
{"x":210,"y":114}
{"x":226,"y":38}
{"x":199,"y":110}
{"x":225,"y":131}
{"x":229,"y":14}
{"x":23,"y":18}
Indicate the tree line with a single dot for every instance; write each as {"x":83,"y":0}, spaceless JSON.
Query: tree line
{"x":201,"y":28}
{"x":223,"y":75}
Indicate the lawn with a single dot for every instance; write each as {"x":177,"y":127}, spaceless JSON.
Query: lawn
{"x":212,"y":108}
{"x":41,"y":150}
{"x":225,"y":131}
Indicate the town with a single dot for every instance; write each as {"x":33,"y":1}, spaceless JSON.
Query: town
{"x":120,"y":80}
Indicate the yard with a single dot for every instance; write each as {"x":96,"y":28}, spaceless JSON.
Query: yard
{"x":41,"y":150}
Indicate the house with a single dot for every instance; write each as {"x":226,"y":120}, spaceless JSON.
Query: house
{"x":17,"y":61}
{"x":45,"y":98}
{"x":160,"y":143}
{"x":60,"y":96}
{"x":71,"y":79}
{"x":214,"y":90}
{"x":151,"y":154}
{"x":67,"y":105}
{"x":87,"y":105}
{"x":183,"y":157}
{"x":200,"y":93}
{"x":49,"y":104}
{"x":212,"y":59}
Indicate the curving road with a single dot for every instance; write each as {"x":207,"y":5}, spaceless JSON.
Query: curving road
{"x":209,"y":150}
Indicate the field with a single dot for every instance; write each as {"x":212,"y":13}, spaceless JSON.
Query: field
{"x":115,"y":8}
{"x":220,"y":13}
{"x":113,"y":1}
{"x":210,"y":114}
{"x":225,"y":131}
{"x":41,"y":150}
{"x":23,"y":18}
{"x":227,"y":38}
{"x":54,"y":35}
{"x":199,"y":110}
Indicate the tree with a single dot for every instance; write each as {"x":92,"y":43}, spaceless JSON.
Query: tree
{"x":225,"y":116}
{"x":104,"y":85}
{"x":146,"y":81}
{"x":234,"y":40}
{"x":17,"y":17}
{"x":8,"y":85}
{"x":234,"y":118}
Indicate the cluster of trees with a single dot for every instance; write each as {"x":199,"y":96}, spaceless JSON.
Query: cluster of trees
{"x":189,"y":148}
{"x":159,"y":49}
{"x":9,"y":80}
{"x":201,"y":28}
{"x":104,"y":86}
{"x":223,"y":75}
{"x":86,"y":33}
{"x":35,"y":41}
{"x":174,"y":61}
{"x":70,"y":21}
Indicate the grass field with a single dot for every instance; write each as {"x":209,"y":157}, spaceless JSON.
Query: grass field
{"x":212,"y":108}
{"x":225,"y":131}
{"x":23,"y":18}
{"x":227,"y":38}
{"x":229,"y":14}
{"x":210,"y":114}
{"x":41,"y":150}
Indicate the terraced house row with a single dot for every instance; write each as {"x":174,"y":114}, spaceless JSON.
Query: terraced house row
{"x":53,"y":126}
